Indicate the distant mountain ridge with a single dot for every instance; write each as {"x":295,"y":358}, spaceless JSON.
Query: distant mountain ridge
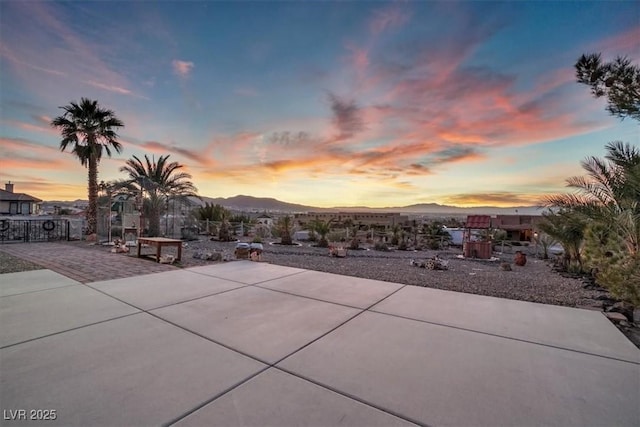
{"x":250,"y":203}
{"x":243,"y":202}
{"x":269,"y":204}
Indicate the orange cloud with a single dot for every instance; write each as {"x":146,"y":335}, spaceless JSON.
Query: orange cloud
{"x":500,"y":199}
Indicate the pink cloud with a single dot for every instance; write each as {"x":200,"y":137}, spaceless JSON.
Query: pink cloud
{"x":625,"y":43}
{"x":40,"y":40}
{"x":358,"y":58}
{"x":110,"y":88}
{"x":182,"y":68}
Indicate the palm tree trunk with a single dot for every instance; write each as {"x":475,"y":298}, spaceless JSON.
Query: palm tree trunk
{"x":92,"y":208}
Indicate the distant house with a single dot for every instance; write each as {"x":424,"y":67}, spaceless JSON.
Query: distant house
{"x":265,"y":220}
{"x":12,"y":203}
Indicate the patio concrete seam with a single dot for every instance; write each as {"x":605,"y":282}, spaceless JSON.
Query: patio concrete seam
{"x":282,"y":277}
{"x":339,"y":325}
{"x":218,"y":277}
{"x":353,"y":397}
{"x":506,"y":337}
{"x":198,"y":334}
{"x":149,"y":312}
{"x":40,"y":290}
{"x":306,"y":296}
{"x":200,"y":297}
{"x":215,"y":397}
{"x":69,"y":330}
{"x":278,"y":278}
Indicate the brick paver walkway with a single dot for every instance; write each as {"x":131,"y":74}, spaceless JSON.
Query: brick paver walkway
{"x":84,"y":264}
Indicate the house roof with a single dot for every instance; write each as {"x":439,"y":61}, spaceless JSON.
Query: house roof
{"x":8,"y":196}
{"x":478,"y":221}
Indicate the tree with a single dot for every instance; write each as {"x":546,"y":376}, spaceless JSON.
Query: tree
{"x":610,"y":193}
{"x":435,"y":235}
{"x":322,"y":228}
{"x":212,"y":212}
{"x":159,"y":182}
{"x":216,"y":213}
{"x":285,"y":228}
{"x":607,"y":200}
{"x":568,"y":228}
{"x":545,"y":241}
{"x":618,"y":80}
{"x":89,"y":130}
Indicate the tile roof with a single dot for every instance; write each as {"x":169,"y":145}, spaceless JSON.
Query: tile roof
{"x":478,"y":221}
{"x":8,"y":196}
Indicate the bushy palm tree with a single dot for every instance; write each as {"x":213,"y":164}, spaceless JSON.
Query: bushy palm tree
{"x":89,"y":130}
{"x":159,"y":181}
{"x":568,"y":228}
{"x":285,"y":228}
{"x":322,"y":228}
{"x":216,"y":213}
{"x":607,"y":201}
{"x":610,"y":193}
{"x":211,"y":212}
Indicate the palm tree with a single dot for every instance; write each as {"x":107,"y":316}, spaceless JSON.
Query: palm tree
{"x":610,"y":193}
{"x":88,"y":131}
{"x":568,"y":228}
{"x":161,"y":181}
{"x":608,"y":201}
{"x":285,"y":228}
{"x":322,"y":228}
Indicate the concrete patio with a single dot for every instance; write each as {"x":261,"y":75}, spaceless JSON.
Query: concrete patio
{"x":243,"y":343}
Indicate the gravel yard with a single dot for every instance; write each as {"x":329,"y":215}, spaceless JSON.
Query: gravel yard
{"x":12,"y":264}
{"x":534,"y":282}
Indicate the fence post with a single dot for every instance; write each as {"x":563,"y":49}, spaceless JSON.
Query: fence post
{"x":26,"y":231}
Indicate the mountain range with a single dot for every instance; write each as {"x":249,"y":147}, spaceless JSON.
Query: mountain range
{"x":268,"y":204}
{"x":250,"y":203}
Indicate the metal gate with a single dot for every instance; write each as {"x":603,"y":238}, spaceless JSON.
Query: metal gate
{"x":33,"y":230}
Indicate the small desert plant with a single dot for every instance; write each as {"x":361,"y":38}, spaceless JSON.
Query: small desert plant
{"x":381,"y":246}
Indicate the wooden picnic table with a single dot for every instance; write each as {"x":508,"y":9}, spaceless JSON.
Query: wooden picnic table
{"x":159,"y":243}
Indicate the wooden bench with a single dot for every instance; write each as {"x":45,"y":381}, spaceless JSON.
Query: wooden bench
{"x":159,"y":243}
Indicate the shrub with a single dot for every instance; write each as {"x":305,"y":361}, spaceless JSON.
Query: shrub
{"x":354,"y":244}
{"x":381,"y":246}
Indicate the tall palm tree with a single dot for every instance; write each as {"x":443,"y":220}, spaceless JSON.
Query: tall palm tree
{"x":160,"y":181}
{"x":89,"y":130}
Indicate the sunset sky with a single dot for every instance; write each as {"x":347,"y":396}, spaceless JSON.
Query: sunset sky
{"x":319,"y":103}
